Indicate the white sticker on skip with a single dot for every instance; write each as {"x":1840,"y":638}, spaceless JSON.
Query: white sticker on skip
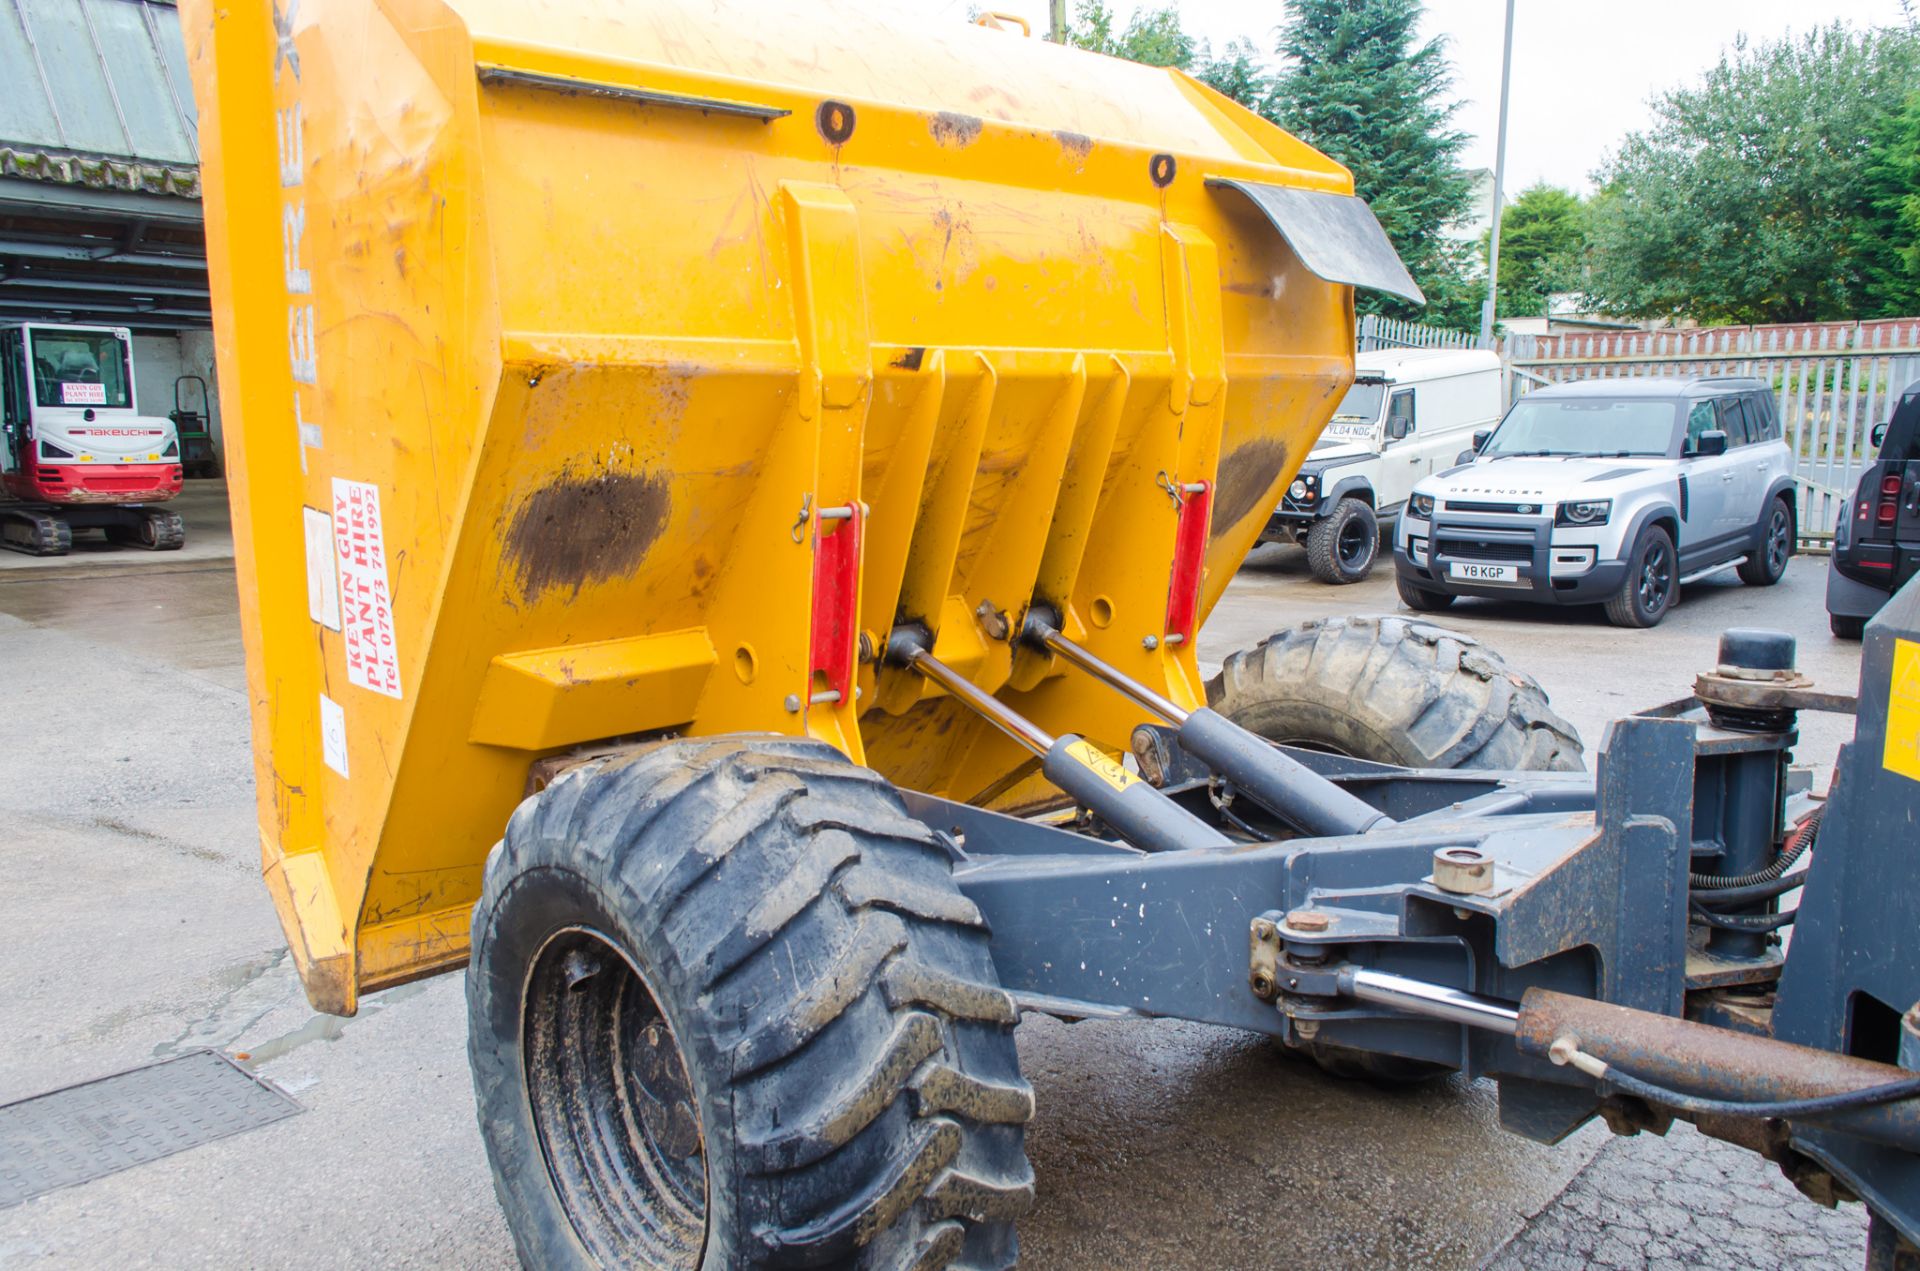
{"x":366,"y":606}
{"x":323,"y":578}
{"x":333,"y":734}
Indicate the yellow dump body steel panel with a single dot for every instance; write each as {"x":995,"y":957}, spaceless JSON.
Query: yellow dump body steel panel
{"x":547,"y":332}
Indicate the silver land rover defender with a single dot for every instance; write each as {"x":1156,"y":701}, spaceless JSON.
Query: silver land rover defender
{"x":1614,"y":492}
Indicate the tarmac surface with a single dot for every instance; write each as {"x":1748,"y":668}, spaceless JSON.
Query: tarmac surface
{"x":133,"y":926}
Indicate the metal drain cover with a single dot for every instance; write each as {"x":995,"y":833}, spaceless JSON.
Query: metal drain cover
{"x":100,"y":1127}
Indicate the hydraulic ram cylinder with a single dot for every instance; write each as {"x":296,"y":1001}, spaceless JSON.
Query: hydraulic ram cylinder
{"x":1140,"y":813}
{"x":1718,"y":1063}
{"x":1269,"y":776}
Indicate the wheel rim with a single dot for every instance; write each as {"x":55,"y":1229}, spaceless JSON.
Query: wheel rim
{"x":612,"y":1105}
{"x":1656,"y":578}
{"x":1352,"y":546}
{"x":1777,"y":540}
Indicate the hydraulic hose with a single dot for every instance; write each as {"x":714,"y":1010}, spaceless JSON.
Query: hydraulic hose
{"x":1723,"y":896}
{"x":1565,"y":1051}
{"x":1798,"y":842}
{"x":1757,"y":924}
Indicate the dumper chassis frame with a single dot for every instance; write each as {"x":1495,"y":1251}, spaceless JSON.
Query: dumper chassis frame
{"x":1554,"y":931}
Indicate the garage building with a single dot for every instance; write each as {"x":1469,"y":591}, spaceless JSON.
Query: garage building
{"x":100,"y":218}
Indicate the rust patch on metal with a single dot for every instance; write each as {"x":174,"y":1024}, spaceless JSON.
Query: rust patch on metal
{"x":1244,"y":479}
{"x":585,"y":529}
{"x":1079,"y":145}
{"x":911,"y":359}
{"x":950,"y":128}
{"x":1701,"y":1059}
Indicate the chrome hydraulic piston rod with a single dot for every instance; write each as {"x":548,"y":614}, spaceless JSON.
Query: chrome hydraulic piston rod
{"x":1436,"y":1001}
{"x":1269,"y":776}
{"x":1141,"y":814}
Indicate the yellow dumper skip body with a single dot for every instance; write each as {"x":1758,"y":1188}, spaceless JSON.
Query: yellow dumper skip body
{"x":560,"y":342}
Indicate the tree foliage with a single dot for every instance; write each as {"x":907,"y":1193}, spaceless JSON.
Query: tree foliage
{"x":1153,"y":37}
{"x":1740,"y":203}
{"x":1240,"y":74}
{"x":1886,"y":235}
{"x":1542,"y":236}
{"x":1358,"y":85}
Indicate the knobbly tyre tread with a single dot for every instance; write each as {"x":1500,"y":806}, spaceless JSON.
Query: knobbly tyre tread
{"x":864,"y":1105}
{"x":1323,"y":544}
{"x":1396,"y":690}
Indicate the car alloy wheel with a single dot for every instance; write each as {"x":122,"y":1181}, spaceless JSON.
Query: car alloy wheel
{"x":1779,"y":539}
{"x":1655,"y":584}
{"x":1356,"y":544}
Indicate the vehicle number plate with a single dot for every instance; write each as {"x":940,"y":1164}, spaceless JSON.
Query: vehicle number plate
{"x":1468,"y":572}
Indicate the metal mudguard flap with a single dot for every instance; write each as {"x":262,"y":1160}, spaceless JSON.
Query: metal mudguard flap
{"x":1336,"y":236}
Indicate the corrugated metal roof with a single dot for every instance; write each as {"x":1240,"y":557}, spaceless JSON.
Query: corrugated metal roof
{"x":101,"y":78}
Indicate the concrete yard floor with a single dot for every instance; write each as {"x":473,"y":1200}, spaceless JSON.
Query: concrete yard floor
{"x":133,"y":926}
{"x":202,"y":504}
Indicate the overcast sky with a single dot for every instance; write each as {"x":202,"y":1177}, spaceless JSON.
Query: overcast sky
{"x":1582,"y":72}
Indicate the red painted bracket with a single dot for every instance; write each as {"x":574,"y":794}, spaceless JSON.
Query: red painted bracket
{"x":836,"y":596}
{"x":1189,"y":562}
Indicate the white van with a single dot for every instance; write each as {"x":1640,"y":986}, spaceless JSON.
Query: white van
{"x":1409,"y":413}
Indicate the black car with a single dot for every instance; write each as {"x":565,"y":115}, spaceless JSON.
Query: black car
{"x":1876,"y":545}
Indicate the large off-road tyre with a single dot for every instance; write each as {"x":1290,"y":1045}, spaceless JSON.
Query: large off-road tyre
{"x":1342,"y":547}
{"x":1395,"y":690}
{"x":1767,"y":565}
{"x":727,"y":1009}
{"x":1419,"y":598}
{"x":1652,"y":585}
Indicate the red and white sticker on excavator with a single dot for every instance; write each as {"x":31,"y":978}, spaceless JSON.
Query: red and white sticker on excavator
{"x":366,"y":605}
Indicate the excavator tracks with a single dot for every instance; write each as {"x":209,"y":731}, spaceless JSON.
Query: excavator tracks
{"x":35,"y":533}
{"x":157,"y":530}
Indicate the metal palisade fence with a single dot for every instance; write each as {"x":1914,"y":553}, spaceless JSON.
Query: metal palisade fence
{"x":1832,"y":381}
{"x":1376,"y":332}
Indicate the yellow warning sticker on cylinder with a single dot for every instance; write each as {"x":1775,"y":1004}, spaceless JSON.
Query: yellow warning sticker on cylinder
{"x":1903,"y":712}
{"x":1104,"y":766}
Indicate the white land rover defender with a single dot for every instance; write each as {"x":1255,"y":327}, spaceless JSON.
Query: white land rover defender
{"x":1408,"y":414}
{"x":1613,"y":491}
